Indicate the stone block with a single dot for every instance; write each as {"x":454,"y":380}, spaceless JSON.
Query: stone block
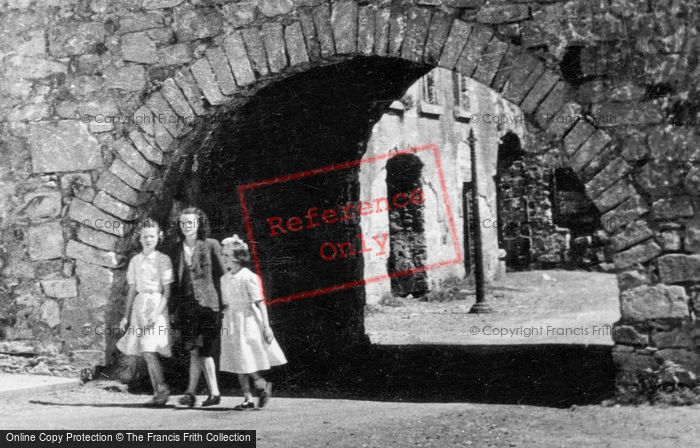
{"x":149,"y":151}
{"x":628,"y":335}
{"x":397,"y":30}
{"x":313,"y":46}
{"x":45,"y":241}
{"x":138,"y":47}
{"x":60,"y":288}
{"x":634,"y":147}
{"x":622,"y":114}
{"x":159,"y":4}
{"x":588,"y":151}
{"x":177,"y":101}
{"x":130,"y":23}
{"x":381,"y":32}
{"x":256,"y":50}
{"x":613,"y":172}
{"x":130,"y":77}
{"x":632,"y":279}
{"x":96,"y":283}
{"x":417,"y":27}
{"x":164,"y":116}
{"x":145,"y":119}
{"x":634,"y":233}
{"x":344,"y":24}
{"x":206,"y":80}
{"x":692,"y":181}
{"x":670,"y":240}
{"x":79,"y":185}
{"x":637,"y":254}
{"x":238,"y":59}
{"x":512,"y":56}
{"x":496,"y":14}
{"x":618,"y":193}
{"x":50,"y":313}
{"x":489,"y":61}
{"x":366,"y":19}
{"x":680,"y":337}
{"x":222,"y":71}
{"x":578,"y":135}
{"x":272,"y":8}
{"x":114,"y":206}
{"x":558,"y":124}
{"x":101,"y":240}
{"x":456,"y":41}
{"x":539,"y":91}
{"x":196,"y":23}
{"x":64,"y":145}
{"x":111,"y":184}
{"x":177,"y":54}
{"x":239,"y":14}
{"x":296,"y":48}
{"x":479,"y":39}
{"x":71,"y":37}
{"x":679,"y":268}
{"x":653,"y":302}
{"x":624,"y":213}
{"x":438,"y":32}
{"x":132,"y":157}
{"x":691,"y":239}
{"x":522,"y":78}
{"x":41,"y":205}
{"x":91,"y":255}
{"x":324,"y":31}
{"x":273,"y":39}
{"x":672,"y":208}
{"x":660,"y":178}
{"x":188,"y":85}
{"x":626,"y":359}
{"x":90,"y":216}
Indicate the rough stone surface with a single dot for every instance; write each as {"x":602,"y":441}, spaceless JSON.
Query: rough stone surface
{"x":612,"y":172}
{"x":273,"y":39}
{"x":100,"y":240}
{"x":670,"y":208}
{"x":114,"y":207}
{"x":239,"y":14}
{"x":238,"y":59}
{"x":206,"y":80}
{"x":191,"y":24}
{"x":71,"y":37}
{"x":637,"y":254}
{"x":95,"y":283}
{"x":439,"y":30}
{"x":89,"y":215}
{"x":539,"y":91}
{"x":631,"y":279}
{"x":456,"y":40}
{"x":296,"y":49}
{"x":324,"y":31}
{"x":634,"y":233}
{"x":65,"y":145}
{"x":479,"y":39}
{"x":132,"y":157}
{"x":344,"y":24}
{"x":45,"y":241}
{"x":490,"y":61}
{"x":222,"y":71}
{"x":589,"y":150}
{"x":138,"y":47}
{"x":51,"y":313}
{"x":60,"y":289}
{"x":653,"y":302}
{"x":625,"y":334}
{"x":189,"y":88}
{"x":678,"y":268}
{"x":91,"y":255}
{"x":111,"y":184}
{"x":416,"y":34}
{"x":313,"y":46}
{"x":256,"y":50}
{"x":614,"y":196}
{"x":578,"y":135}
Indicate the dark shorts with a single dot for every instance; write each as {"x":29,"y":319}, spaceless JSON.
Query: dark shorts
{"x":201,"y":328}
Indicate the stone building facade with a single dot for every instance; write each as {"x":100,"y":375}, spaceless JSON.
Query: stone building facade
{"x":619,"y":77}
{"x":443,"y":116}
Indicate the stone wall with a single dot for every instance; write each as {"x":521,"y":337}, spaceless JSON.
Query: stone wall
{"x":621,"y":77}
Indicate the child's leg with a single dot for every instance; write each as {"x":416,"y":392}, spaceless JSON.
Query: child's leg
{"x":245,"y":386}
{"x":258,"y":380}
{"x":195,"y":371}
{"x":155,"y":370}
{"x":210,"y":375}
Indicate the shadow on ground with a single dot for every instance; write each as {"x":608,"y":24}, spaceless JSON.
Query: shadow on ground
{"x":542,"y":375}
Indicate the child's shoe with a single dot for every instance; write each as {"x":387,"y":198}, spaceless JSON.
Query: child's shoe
{"x":245,"y":406}
{"x":212,"y":400}
{"x":159,"y":399}
{"x":265,"y":394}
{"x":187,"y":400}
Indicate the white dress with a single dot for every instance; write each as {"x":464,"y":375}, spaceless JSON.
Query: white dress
{"x":147,"y":274}
{"x":243,"y":348}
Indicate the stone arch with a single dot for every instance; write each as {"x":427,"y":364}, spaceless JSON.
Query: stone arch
{"x":288,"y":37}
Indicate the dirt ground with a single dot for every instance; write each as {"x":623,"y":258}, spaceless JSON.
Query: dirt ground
{"x":536,"y":307}
{"x":428,"y":381}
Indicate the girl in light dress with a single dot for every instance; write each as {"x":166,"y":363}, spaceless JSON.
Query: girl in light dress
{"x":248,"y":345}
{"x":145,"y":322}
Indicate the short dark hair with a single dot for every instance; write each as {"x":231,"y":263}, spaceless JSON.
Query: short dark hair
{"x":202,"y":230}
{"x":241,"y":254}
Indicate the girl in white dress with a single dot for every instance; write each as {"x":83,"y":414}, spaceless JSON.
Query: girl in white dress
{"x":248,"y":345}
{"x":149,"y":276}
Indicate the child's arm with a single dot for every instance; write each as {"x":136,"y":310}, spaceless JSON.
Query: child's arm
{"x":129,"y":303}
{"x":267,"y":331}
{"x":162,"y":305}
